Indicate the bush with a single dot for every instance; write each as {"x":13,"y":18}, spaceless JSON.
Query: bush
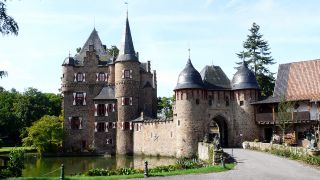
{"x":15,"y":164}
{"x":185,"y":163}
{"x":108,"y":172}
{"x":1,"y":143}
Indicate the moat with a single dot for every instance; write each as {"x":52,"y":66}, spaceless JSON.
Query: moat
{"x":49,"y":166}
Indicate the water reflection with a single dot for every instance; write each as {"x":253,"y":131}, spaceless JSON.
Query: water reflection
{"x":49,"y":166}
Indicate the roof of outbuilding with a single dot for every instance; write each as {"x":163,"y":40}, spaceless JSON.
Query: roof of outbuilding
{"x":189,"y":78}
{"x":244,"y":78}
{"x":126,"y":52}
{"x":106,"y":93}
{"x":214,"y":78}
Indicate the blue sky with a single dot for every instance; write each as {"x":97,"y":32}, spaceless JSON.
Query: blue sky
{"x":162,"y":32}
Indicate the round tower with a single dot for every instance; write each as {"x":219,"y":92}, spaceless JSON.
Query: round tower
{"x":127,"y":83}
{"x":245,"y":91}
{"x":190,"y":109}
{"x":67,"y":73}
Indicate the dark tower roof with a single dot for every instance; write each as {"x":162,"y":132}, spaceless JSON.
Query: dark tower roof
{"x":244,"y":79}
{"x":189,"y":78}
{"x":68,"y":61}
{"x":214,"y":78}
{"x":126,"y":52}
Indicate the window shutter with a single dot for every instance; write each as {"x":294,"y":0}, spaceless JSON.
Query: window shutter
{"x":84,"y":77}
{"x":106,"y":77}
{"x":122,"y":101}
{"x":106,"y":125}
{"x":97,"y":76}
{"x":122,"y":74}
{"x":130,"y":125}
{"x":113,"y":107}
{"x":95,"y":109}
{"x":74,"y":99}
{"x":95,"y":127}
{"x":114,"y":125}
{"x":122,"y":125}
{"x":75,"y":77}
{"x":84,"y":99}
{"x":80,"y":127}
{"x":130,"y":74}
{"x":106,"y":108}
{"x":70,"y":120}
{"x":130,"y":101}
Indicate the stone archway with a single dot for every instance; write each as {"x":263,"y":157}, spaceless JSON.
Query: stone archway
{"x":218,"y":126}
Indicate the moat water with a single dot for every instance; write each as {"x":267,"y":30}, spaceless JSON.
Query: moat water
{"x":50,"y":166}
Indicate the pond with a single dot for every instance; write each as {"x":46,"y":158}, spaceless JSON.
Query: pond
{"x":36,"y":165}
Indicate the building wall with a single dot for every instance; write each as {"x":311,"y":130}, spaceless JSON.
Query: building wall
{"x":155,"y":138}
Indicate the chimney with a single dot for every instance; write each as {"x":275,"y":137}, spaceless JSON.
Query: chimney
{"x":148,"y":66}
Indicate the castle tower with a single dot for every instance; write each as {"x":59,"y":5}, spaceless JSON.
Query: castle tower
{"x":127,"y":81}
{"x":245,"y":91}
{"x":190,"y":109}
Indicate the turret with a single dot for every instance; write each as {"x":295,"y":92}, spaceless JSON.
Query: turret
{"x":245,"y":90}
{"x":190,"y":107}
{"x":127,"y":81}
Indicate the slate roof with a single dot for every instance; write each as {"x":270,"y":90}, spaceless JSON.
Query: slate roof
{"x":214,"y":78}
{"x":94,"y":40}
{"x":106,"y":93}
{"x":126,"y":52}
{"x":244,"y":78}
{"x":189,"y":78}
{"x":68,"y":61}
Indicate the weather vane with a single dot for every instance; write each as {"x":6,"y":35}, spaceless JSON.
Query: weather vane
{"x":127,"y":4}
{"x":189,"y":52}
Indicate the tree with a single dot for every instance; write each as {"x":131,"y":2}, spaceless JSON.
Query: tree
{"x":15,"y":164}
{"x":113,"y":51}
{"x":3,"y":73}
{"x":284,"y":116}
{"x":165,"y":106}
{"x":257,"y":56}
{"x":46,"y":134}
{"x":7,"y":23}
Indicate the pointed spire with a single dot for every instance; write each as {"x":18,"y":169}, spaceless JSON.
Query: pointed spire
{"x":127,"y":52}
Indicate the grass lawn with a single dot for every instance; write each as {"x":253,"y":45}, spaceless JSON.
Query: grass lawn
{"x":202,"y":170}
{"x":5,"y":150}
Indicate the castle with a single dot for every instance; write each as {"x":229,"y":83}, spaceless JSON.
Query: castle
{"x":110,"y":105}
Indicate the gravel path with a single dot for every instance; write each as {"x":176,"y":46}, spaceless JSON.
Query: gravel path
{"x":257,"y":166}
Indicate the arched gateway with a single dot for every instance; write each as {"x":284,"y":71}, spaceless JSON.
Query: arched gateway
{"x":218,"y":127}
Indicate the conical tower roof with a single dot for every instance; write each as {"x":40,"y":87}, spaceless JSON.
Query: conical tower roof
{"x":189,"y":78}
{"x":244,"y":79}
{"x":126,"y":52}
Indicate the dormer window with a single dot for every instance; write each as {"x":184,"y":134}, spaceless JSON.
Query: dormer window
{"x":79,"y":77}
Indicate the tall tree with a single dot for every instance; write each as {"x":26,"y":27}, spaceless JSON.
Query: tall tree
{"x":258,"y":56}
{"x":284,"y":116}
{"x":7,"y":23}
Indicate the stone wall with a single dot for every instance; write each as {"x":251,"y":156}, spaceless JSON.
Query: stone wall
{"x":155,"y":138}
{"x":269,"y":146}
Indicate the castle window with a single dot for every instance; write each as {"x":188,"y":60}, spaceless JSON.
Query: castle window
{"x":101,"y":110}
{"x":210,"y":102}
{"x":197,"y":101}
{"x":79,"y":98}
{"x":178,"y":122}
{"x":79,"y":77}
{"x":76,"y":123}
{"x":241,"y":103}
{"x":108,"y":141}
{"x":126,"y":101}
{"x":126,"y":74}
{"x":102,"y":77}
{"x":101,"y":127}
{"x":227,"y":101}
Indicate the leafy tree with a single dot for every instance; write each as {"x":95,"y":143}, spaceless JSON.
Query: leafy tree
{"x":46,"y":134}
{"x":7,"y":23}
{"x":78,"y":49}
{"x":258,"y":56}
{"x":3,"y":73}
{"x":284,"y":118}
{"x":113,"y":51}
{"x":15,"y":164}
{"x":165,"y":106}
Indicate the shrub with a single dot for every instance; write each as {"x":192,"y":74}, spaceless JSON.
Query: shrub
{"x":185,"y":163}
{"x":15,"y":164}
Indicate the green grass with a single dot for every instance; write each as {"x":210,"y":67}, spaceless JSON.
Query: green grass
{"x":5,"y":150}
{"x":202,"y":170}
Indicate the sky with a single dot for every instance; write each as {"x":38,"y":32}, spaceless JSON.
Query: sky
{"x":162,"y":31}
